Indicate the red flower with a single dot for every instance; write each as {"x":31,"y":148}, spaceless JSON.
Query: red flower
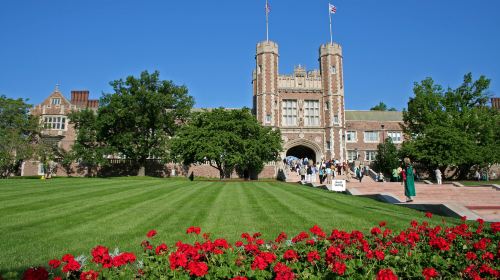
{"x":429,"y":273}
{"x":281,"y":237}
{"x":257,"y":235}
{"x":495,"y":227}
{"x":414,"y":223}
{"x":471,"y":256}
{"x":310,"y":242}
{"x":260,"y":242}
{"x":36,"y":273}
{"x":89,"y":275}
{"x":177,"y":259}
{"x":382,"y":224}
{"x":375,"y":231}
{"x":386,"y":274}
{"x":146,"y":245}
{"x":482,"y":244}
{"x":71,"y":265}
{"x":195,"y":230}
{"x":339,"y":268}
{"x":439,"y":243}
{"x":291,"y":255}
{"x":100,"y":255}
{"x":313,"y":256}
{"x":316,"y":230}
{"x":151,"y":233}
{"x":283,"y":272}
{"x":463,"y":218}
{"x":67,"y":258}
{"x":239,"y":278}
{"x":238,"y":244}
{"x":198,"y":269}
{"x":161,"y":249}
{"x":380,"y":255}
{"x":300,"y":237}
{"x":57,"y":278}
{"x":428,"y":215}
{"x":123,"y":259}
{"x":54,"y":264}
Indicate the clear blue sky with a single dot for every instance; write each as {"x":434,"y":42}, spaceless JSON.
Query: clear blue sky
{"x":210,"y":45}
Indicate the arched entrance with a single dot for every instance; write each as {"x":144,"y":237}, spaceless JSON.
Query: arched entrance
{"x":302,"y":152}
{"x":303,"y":148}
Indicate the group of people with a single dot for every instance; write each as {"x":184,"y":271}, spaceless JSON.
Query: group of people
{"x":325,"y":170}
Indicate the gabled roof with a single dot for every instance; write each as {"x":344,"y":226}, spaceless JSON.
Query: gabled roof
{"x":386,"y":116}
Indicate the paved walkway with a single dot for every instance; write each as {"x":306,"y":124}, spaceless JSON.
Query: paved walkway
{"x":473,"y":202}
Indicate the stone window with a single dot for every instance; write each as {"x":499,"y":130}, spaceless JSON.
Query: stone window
{"x":56,"y":101}
{"x":352,"y":155}
{"x":370,"y":155}
{"x":41,"y":169}
{"x":311,"y":112}
{"x":395,"y":136}
{"x":54,"y":122}
{"x":268,"y":118}
{"x":327,"y":105}
{"x":289,"y":112}
{"x":371,"y":137}
{"x":336,"y":119}
{"x":334,"y":70}
{"x":351,"y":136}
{"x":328,"y":145}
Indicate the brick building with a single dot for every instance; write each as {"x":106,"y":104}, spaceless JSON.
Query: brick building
{"x":309,"y":109}
{"x":53,"y":113}
{"x":307,"y":106}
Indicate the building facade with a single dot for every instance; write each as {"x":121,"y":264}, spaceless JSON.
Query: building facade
{"x":309,"y":109}
{"x":57,"y":130}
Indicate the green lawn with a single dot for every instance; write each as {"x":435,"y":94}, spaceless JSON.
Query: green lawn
{"x":41,"y":220}
{"x":479,"y":183}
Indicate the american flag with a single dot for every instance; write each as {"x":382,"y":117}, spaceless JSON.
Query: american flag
{"x":332,"y":8}
{"x":268,"y":7}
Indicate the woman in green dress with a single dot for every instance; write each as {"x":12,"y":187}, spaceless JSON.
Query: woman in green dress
{"x":409,"y":180}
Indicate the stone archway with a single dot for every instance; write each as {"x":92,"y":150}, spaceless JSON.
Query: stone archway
{"x":301,"y":151}
{"x":303,"y":148}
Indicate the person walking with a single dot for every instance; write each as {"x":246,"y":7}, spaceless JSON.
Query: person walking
{"x":321,"y":173}
{"x":302,"y":172}
{"x":409,"y":180}
{"x":328,"y":175}
{"x":438,"y":176}
{"x":359,"y":173}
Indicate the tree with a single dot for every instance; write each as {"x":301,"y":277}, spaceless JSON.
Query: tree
{"x":387,"y":157}
{"x":88,"y":150}
{"x":18,"y":133}
{"x":382,"y":107}
{"x":226,"y":139}
{"x":452,"y":127}
{"x":141,"y":115}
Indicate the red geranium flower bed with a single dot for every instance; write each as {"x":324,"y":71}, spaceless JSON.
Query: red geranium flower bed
{"x":466,"y":251}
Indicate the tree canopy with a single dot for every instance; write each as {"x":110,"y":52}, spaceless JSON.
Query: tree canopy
{"x":226,"y":139}
{"x":141,"y":115}
{"x":387,"y":157}
{"x":382,"y":107}
{"x":452,"y":127}
{"x":18,"y":131}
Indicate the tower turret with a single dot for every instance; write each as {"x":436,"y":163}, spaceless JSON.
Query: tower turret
{"x":333,"y":100}
{"x":265,"y":83}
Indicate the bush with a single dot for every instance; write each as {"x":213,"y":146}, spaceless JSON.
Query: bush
{"x":469,"y":251}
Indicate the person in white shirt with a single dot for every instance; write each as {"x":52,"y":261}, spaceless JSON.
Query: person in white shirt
{"x":438,"y":176}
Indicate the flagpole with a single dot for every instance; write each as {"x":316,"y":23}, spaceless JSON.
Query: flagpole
{"x":330,"y":16}
{"x":267,"y":21}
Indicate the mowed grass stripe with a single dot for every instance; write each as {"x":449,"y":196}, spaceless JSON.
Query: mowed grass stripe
{"x":64,"y":206}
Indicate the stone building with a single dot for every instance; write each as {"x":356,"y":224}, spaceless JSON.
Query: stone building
{"x":309,"y":109}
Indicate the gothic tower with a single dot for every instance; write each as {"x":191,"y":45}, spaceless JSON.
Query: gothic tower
{"x":333,"y":99}
{"x":265,"y":84}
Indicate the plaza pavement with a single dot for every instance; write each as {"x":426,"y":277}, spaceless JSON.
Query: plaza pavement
{"x":446,"y":199}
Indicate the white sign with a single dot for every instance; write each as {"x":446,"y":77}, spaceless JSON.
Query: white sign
{"x":337,"y":186}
